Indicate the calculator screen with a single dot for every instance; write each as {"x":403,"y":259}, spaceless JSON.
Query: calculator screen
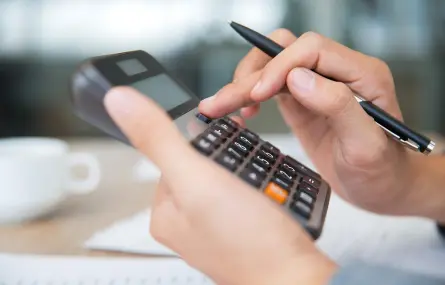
{"x":162,"y":89}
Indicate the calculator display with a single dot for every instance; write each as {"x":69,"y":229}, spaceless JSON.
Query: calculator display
{"x":163,"y":90}
{"x":132,"y":66}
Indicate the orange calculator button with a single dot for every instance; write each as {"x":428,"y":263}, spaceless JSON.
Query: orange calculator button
{"x":276,"y":193}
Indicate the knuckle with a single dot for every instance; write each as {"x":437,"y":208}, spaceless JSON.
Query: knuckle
{"x":283,"y":34}
{"x":384,"y":78}
{"x":313,"y":37}
{"x":382,"y":67}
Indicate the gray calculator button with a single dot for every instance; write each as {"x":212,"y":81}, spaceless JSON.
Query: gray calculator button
{"x":308,"y":199}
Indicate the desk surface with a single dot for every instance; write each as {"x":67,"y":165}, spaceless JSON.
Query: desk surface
{"x":64,"y":231}
{"x":119,"y":196}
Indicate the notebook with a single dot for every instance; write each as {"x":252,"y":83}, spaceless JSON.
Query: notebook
{"x":36,"y":270}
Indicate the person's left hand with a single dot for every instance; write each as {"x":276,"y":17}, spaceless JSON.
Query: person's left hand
{"x":212,"y":219}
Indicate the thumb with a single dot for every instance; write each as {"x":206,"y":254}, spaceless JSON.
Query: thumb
{"x":149,"y":129}
{"x":360,"y":139}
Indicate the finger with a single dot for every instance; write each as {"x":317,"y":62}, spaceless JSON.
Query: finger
{"x":256,"y":59}
{"x":162,"y":194}
{"x":166,"y":221}
{"x":230,"y":98}
{"x":149,"y":129}
{"x":365,"y":75}
{"x":251,"y":111}
{"x":359,"y":137}
{"x":239,"y":120}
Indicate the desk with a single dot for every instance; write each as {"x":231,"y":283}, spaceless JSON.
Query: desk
{"x":64,"y":231}
{"x":119,"y":196}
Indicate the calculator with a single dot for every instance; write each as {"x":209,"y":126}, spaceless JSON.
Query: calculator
{"x":299,"y":190}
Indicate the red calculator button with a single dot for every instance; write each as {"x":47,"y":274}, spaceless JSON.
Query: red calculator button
{"x":276,"y":193}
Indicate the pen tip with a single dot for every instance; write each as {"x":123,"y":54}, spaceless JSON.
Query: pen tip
{"x":229,"y":22}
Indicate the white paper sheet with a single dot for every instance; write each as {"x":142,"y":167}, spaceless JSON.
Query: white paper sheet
{"x":37,"y":270}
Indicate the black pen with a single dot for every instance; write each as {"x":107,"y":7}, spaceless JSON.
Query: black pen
{"x":388,"y":123}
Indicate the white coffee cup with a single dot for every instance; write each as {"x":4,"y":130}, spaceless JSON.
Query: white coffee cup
{"x":35,"y":177}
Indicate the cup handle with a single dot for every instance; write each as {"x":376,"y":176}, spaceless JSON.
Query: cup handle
{"x":90,"y":183}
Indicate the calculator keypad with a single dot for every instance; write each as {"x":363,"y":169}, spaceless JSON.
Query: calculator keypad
{"x":262,"y":165}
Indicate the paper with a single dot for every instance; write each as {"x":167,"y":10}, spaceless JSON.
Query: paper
{"x":34,"y":270}
{"x":349,"y":235}
{"x":129,"y":235}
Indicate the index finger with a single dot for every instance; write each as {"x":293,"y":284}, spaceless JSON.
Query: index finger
{"x":256,"y":59}
{"x":367,"y":76}
{"x":230,"y":98}
{"x":236,"y":95}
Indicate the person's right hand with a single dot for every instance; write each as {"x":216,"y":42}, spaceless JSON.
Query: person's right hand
{"x":348,"y":148}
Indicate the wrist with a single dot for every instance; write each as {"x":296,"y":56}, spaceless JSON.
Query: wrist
{"x":313,"y":270}
{"x":426,"y":196}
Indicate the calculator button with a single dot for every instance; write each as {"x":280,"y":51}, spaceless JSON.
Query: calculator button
{"x":225,"y":127}
{"x":245,"y":142}
{"x":300,"y":167}
{"x":246,"y":145}
{"x":228,"y":161}
{"x":204,"y":146}
{"x":218,"y":131}
{"x":230,"y":122}
{"x":271,"y":148}
{"x":203,"y":118}
{"x":308,"y":189}
{"x":261,"y":160}
{"x":283,"y":184}
{"x":285,"y":176}
{"x":288,"y":169}
{"x":270,"y":156}
{"x":258,"y":168}
{"x":213,"y":138}
{"x":301,"y":208}
{"x":252,"y":177}
{"x":254,"y":139}
{"x":305,"y":197}
{"x":311,"y":181}
{"x":240,"y":148}
{"x":235,"y":153}
{"x":276,"y":193}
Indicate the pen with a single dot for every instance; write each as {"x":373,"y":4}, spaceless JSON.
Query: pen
{"x":388,"y":123}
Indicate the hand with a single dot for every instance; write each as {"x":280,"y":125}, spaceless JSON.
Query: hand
{"x":212,"y":219}
{"x":348,"y":148}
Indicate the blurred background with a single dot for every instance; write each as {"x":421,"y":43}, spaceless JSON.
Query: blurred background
{"x":42,"y":41}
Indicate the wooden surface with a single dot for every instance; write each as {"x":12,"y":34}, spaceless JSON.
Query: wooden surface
{"x":64,"y":231}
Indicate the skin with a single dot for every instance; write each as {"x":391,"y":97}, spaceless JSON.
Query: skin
{"x":348,"y":148}
{"x":212,"y":219}
{"x":232,"y":233}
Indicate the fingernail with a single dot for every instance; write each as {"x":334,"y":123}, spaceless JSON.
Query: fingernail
{"x":209,"y":99}
{"x":118,"y":102}
{"x":258,"y":89}
{"x":303,"y":79}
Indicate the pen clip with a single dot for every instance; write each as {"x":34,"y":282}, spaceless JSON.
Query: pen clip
{"x":408,"y":143}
